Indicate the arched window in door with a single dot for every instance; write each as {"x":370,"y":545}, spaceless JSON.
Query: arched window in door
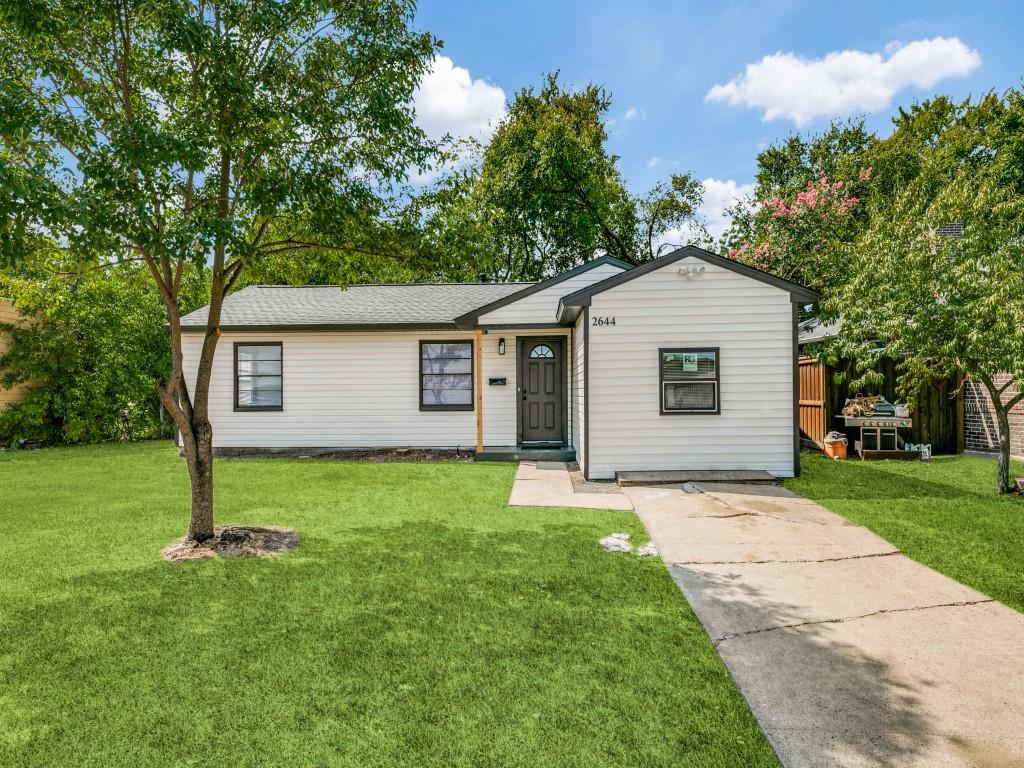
{"x":542,"y":351}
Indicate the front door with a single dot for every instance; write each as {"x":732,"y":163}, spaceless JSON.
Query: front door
{"x":542,"y":390}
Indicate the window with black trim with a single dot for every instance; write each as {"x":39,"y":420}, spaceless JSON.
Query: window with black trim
{"x":258,"y":376}
{"x":446,"y":375}
{"x":689,"y":380}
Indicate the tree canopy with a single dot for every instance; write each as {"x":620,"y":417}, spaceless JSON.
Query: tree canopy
{"x":545,"y":194}
{"x":916,"y":241}
{"x":213,"y":133}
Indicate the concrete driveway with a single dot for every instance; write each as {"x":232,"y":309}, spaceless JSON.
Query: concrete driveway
{"x":849,"y":653}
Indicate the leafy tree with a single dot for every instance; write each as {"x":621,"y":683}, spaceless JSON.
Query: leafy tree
{"x":190,"y":133}
{"x":806,"y":239}
{"x":943,"y":305}
{"x":549,"y":190}
{"x":545,"y":194}
{"x":90,"y":346}
{"x":807,"y":211}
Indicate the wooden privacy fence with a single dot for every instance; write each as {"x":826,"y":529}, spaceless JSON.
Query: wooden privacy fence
{"x":937,"y":415}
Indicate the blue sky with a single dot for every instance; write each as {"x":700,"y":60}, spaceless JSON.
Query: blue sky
{"x":796,"y":63}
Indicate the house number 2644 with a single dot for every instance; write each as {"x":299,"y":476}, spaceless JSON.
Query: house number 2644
{"x":598,"y":320}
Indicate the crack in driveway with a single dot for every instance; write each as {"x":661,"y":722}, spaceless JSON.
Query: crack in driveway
{"x":960,"y":604}
{"x":769,"y":562}
{"x":743,"y":511}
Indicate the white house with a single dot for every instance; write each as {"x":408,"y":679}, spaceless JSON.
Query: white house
{"x":686,"y":362}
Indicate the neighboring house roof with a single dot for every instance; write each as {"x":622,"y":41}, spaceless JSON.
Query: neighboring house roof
{"x":569,"y":307}
{"x":470,"y":319}
{"x":813,"y":329}
{"x":327,"y":307}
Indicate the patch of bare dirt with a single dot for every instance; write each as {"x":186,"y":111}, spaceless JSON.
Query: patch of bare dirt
{"x":235,"y":541}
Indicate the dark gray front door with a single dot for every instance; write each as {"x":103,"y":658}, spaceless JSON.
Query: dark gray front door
{"x":542,"y":390}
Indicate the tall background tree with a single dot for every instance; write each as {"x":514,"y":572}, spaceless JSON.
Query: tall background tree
{"x":545,"y":194}
{"x":864,"y":220}
{"x":946,"y":300}
{"x":212,"y":133}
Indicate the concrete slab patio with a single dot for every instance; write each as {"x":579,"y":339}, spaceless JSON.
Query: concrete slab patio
{"x":848,"y":652}
{"x":548,"y":484}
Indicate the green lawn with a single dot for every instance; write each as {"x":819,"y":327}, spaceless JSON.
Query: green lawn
{"x":945,"y":514}
{"x":421,"y":622}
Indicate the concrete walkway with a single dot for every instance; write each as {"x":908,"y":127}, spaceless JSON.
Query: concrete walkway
{"x":849,"y":653}
{"x":548,"y":484}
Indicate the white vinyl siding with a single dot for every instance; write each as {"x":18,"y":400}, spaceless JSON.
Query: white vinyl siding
{"x":500,"y":411}
{"x":359,"y":390}
{"x":542,"y":306}
{"x":749,"y":321}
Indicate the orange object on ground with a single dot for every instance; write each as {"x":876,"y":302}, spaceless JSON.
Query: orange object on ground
{"x":835,"y":449}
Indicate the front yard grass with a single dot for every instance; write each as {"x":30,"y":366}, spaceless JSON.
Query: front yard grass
{"x":421,"y":622}
{"x":945,"y":514}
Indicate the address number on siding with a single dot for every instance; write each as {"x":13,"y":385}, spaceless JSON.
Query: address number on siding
{"x":603,"y":321}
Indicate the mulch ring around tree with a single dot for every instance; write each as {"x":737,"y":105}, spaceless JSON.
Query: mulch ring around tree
{"x":235,"y":541}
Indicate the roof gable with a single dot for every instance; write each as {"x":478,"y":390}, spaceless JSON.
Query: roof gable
{"x":569,"y":306}
{"x":472,"y":319}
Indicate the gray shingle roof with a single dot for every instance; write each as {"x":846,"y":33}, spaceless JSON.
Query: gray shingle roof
{"x":813,"y":329}
{"x":264,"y":306}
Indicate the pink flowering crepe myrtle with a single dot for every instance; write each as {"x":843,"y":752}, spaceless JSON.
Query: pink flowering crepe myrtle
{"x":796,"y":236}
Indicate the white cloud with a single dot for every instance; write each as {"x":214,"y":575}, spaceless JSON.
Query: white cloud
{"x":718,"y":195}
{"x":785,"y":85}
{"x":631,"y":113}
{"x":653,"y":162}
{"x":450,"y":101}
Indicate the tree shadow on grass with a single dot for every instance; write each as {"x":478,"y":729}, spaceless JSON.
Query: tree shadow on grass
{"x":821,"y":700}
{"x":865,"y":482}
{"x":415,"y":645}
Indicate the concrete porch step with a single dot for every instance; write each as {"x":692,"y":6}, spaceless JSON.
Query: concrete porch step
{"x":516,"y":453}
{"x":680,"y":476}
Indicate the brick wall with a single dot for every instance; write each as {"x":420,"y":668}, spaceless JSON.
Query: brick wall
{"x":981,"y":431}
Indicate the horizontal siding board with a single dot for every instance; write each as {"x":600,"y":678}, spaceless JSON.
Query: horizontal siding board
{"x":542,"y":306}
{"x":750,"y":322}
{"x":359,"y":390}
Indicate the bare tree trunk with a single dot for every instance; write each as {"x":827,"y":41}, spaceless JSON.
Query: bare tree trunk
{"x":1003,"y":419}
{"x":1002,"y":409}
{"x":200,"y":470}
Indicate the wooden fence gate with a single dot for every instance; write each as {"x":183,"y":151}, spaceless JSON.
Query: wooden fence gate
{"x":814,"y":416}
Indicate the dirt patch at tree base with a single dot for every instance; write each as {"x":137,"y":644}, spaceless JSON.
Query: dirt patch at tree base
{"x":235,"y":541}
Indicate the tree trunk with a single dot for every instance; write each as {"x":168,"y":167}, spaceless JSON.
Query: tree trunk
{"x":1002,"y":410}
{"x":1003,"y":419}
{"x":200,"y":470}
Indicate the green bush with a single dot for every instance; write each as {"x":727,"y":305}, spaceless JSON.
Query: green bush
{"x":92,"y":347}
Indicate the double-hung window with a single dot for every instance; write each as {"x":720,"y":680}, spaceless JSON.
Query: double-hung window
{"x":258,"y":379}
{"x":689,"y":380}
{"x":446,"y":375}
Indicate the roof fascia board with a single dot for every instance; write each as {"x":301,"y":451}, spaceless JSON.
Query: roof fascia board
{"x":471,"y":319}
{"x":568,"y":306}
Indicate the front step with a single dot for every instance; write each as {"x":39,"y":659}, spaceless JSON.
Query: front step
{"x":515,"y":453}
{"x":680,"y":476}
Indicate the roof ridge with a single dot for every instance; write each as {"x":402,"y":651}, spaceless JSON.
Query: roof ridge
{"x":385,"y":285}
